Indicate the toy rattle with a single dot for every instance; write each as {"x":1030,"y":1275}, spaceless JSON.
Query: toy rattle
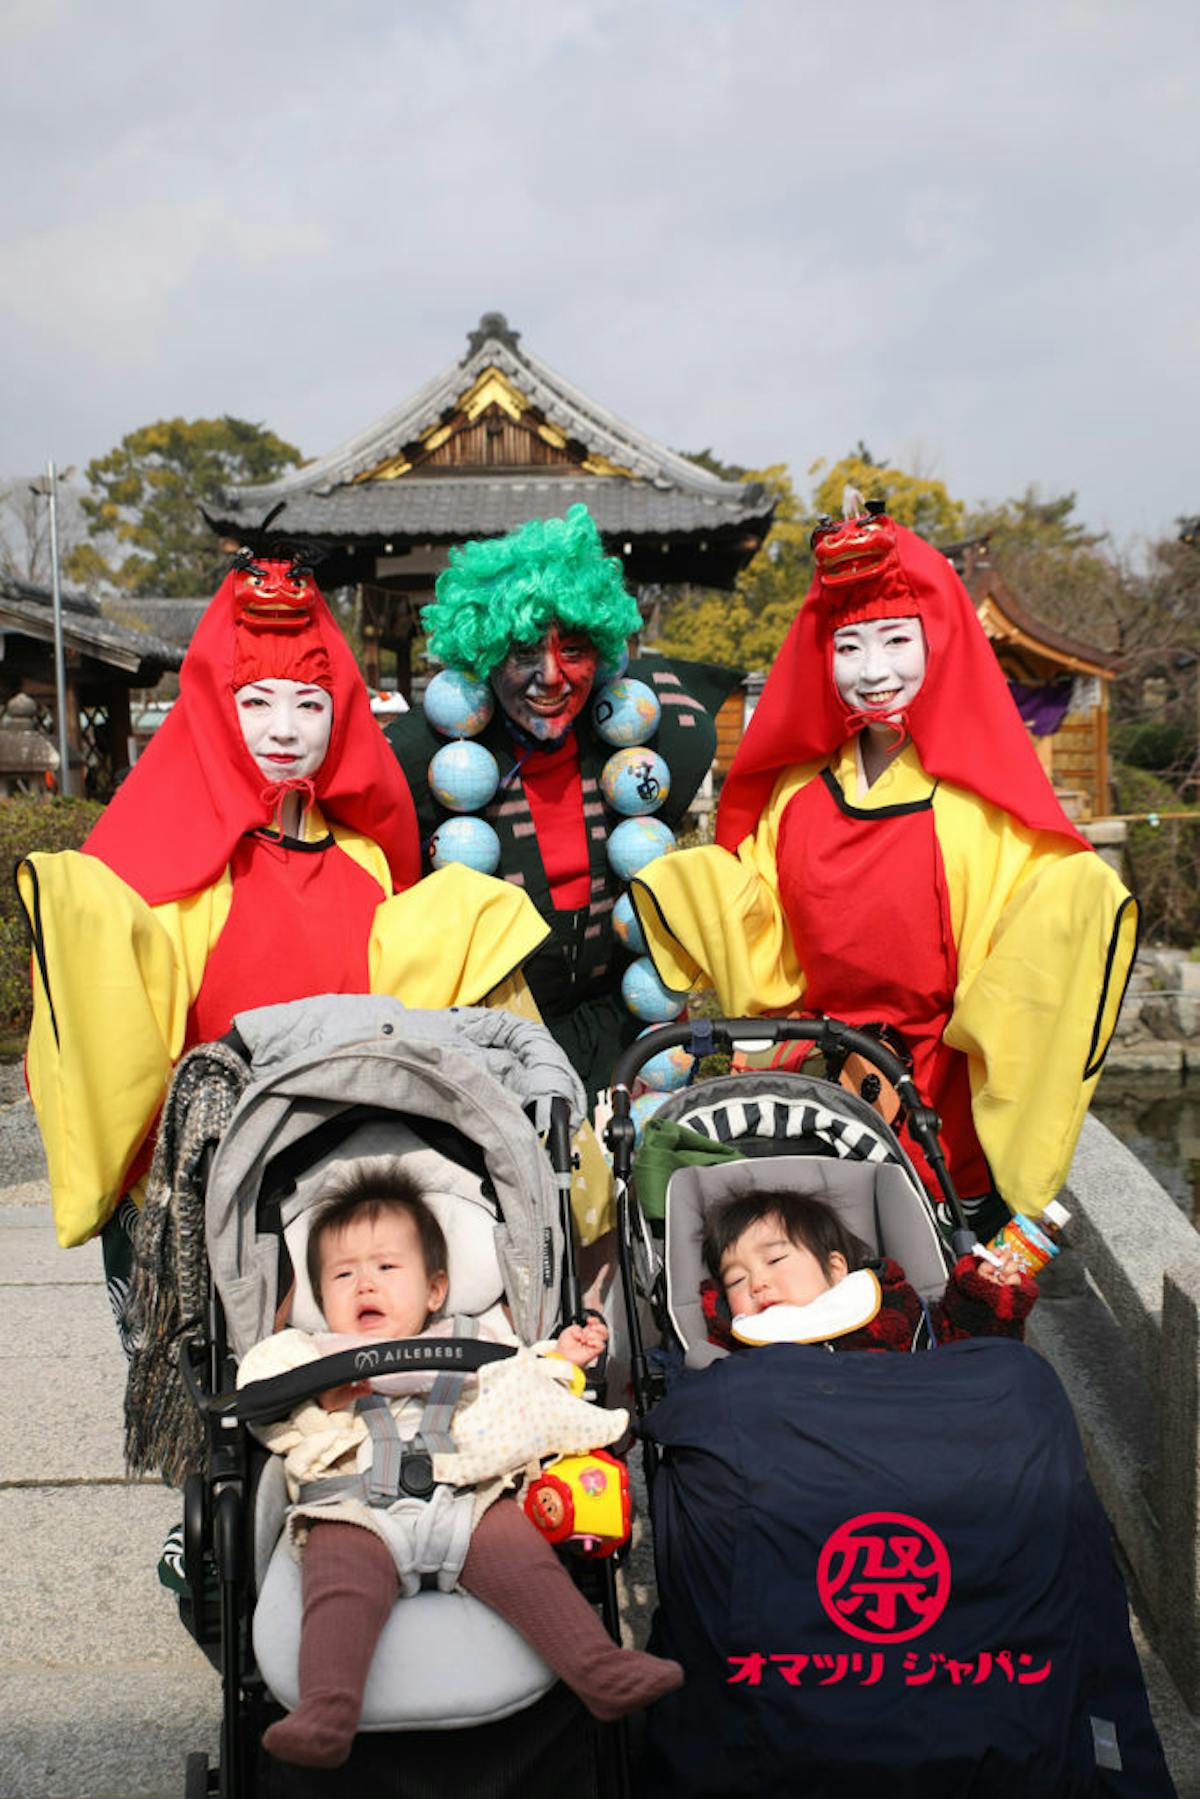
{"x":582,"y":1500}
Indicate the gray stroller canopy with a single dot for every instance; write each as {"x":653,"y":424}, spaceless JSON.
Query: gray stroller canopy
{"x":317,"y":1060}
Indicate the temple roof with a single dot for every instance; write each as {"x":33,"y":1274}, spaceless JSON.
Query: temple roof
{"x":495,"y":439}
{"x":480,"y":507}
{"x":140,"y":656}
{"x":1006,"y":620}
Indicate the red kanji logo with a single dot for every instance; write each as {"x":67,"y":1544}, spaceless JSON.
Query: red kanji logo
{"x":884,"y":1577}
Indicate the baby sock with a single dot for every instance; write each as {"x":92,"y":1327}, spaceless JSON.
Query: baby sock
{"x":512,"y":1568}
{"x":350,"y":1587}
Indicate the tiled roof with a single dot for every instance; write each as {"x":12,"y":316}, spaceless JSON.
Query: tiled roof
{"x":667,"y":492}
{"x":28,"y":611}
{"x":984,"y":579}
{"x":172,"y":620}
{"x":453,"y":506}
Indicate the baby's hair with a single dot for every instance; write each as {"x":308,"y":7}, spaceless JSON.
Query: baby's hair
{"x":806,"y":1221}
{"x":369,"y":1191}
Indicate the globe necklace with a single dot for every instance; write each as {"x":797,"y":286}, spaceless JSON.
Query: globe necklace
{"x":464,"y":777}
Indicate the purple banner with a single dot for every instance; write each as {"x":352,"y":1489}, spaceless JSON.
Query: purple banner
{"x":1043,"y":708}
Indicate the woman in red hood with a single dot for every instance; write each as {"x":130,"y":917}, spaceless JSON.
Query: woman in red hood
{"x":890,"y":851}
{"x":263,"y":849}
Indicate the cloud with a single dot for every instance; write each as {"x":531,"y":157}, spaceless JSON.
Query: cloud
{"x":770,"y":227}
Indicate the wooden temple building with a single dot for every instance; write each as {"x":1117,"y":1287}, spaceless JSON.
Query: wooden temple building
{"x":105,"y":662}
{"x":495,"y":439}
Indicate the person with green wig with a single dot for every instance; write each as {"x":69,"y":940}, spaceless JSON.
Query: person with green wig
{"x":540,"y":618}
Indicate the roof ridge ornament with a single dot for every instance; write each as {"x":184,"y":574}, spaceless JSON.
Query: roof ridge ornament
{"x":493,"y":327}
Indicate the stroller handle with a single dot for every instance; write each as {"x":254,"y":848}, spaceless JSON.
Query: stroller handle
{"x":703,"y":1036}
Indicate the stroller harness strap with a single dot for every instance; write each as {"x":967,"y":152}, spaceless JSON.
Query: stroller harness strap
{"x":400,"y":1466}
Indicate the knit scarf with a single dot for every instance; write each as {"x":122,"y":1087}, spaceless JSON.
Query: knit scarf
{"x":163,"y":1431}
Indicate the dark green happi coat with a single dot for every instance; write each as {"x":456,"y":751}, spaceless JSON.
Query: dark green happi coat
{"x":576,"y":976}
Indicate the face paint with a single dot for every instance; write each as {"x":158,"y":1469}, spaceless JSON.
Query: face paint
{"x":543,"y":687}
{"x":286,"y":726}
{"x":879,"y":665}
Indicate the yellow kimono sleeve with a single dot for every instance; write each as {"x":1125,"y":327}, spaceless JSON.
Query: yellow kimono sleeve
{"x":1040,"y":985}
{"x":452,"y":938}
{"x":110,"y":1004}
{"x":715,"y":919}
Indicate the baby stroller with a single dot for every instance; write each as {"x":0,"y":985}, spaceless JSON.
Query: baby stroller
{"x":456,"y":1702}
{"x":883,"y":1573}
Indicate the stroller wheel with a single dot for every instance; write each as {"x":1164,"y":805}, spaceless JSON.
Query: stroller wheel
{"x":195,"y":1780}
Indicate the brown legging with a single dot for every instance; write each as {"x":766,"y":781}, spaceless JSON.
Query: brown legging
{"x":350,"y":1586}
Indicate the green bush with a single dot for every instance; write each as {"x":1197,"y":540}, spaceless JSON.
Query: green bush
{"x":1160,"y":748}
{"x":25,"y":825}
{"x":1162,"y":861}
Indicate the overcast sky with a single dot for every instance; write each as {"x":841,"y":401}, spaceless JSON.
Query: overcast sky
{"x":966,"y":233}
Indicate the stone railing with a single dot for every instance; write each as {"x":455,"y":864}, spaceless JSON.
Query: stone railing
{"x":1120,"y":1321}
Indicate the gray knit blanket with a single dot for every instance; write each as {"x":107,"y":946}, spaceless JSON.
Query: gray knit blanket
{"x":163,"y":1430}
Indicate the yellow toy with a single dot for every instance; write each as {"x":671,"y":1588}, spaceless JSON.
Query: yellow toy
{"x":582,"y":1500}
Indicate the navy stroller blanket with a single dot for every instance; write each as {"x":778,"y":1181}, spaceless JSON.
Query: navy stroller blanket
{"x":889,"y":1576}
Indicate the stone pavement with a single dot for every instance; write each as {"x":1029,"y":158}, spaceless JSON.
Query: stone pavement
{"x":102,"y":1693}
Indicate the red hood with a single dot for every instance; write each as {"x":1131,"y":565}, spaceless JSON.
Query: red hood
{"x":964,"y":722}
{"x":171,"y":826}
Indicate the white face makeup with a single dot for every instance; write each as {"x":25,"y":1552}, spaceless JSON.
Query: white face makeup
{"x":879,"y":665}
{"x":286,"y":727}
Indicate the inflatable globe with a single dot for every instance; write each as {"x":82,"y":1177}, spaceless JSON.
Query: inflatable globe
{"x":625,"y":713}
{"x":457,"y":705}
{"x":627,"y":927}
{"x":612,"y":671}
{"x":669,"y":1070}
{"x":463,"y":776}
{"x":637,"y":842}
{"x":644,"y":1107}
{"x":635,"y":782}
{"x":468,"y":840}
{"x":646,"y":996}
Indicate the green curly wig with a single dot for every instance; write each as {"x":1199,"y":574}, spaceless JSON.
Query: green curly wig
{"x":499,"y":591}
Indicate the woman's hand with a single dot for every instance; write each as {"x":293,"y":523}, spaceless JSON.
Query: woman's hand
{"x":341,"y":1399}
{"x":582,"y":1343}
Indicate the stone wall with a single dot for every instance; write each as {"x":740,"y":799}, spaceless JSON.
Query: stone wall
{"x":1159,"y":1027}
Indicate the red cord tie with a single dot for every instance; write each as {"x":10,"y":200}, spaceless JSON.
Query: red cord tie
{"x":895,"y":721}
{"x":274,"y":794}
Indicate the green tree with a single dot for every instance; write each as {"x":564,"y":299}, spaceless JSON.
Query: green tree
{"x":143,"y":509}
{"x":744,"y":628}
{"x":1065,"y":574}
{"x":918,"y":501}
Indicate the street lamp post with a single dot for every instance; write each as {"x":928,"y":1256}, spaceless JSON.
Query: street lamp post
{"x":47,"y":486}
{"x":60,"y":659}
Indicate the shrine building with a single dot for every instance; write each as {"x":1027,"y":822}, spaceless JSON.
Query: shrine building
{"x":494,"y":440}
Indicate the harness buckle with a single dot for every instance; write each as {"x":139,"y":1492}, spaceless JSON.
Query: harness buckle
{"x":416,"y":1474}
